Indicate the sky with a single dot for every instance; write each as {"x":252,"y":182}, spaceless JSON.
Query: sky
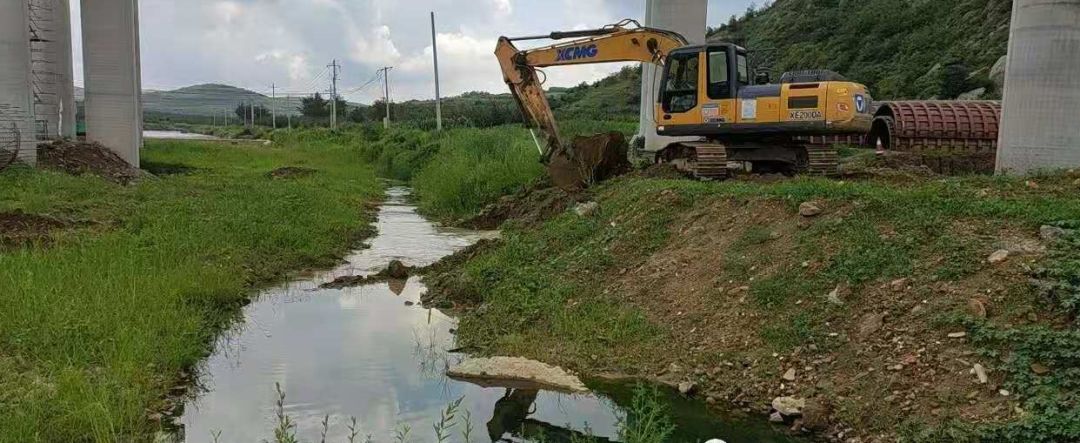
{"x":289,"y":43}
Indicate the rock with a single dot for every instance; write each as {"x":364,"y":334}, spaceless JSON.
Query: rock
{"x":1039,"y":369}
{"x":1076,"y":182}
{"x":513,"y":371}
{"x":789,"y":375}
{"x":974,"y":94}
{"x":789,"y":406}
{"x":776,"y":417}
{"x":816,"y":415}
{"x":899,"y":284}
{"x":834,"y":297}
{"x":586,"y":209}
{"x":976,"y":308}
{"x":809,"y":209}
{"x":409,"y":303}
{"x":957,"y":334}
{"x":687,"y":388}
{"x":1025,"y":246}
{"x":711,"y":400}
{"x":869,"y":324}
{"x":997,"y":72}
{"x":896,"y":367}
{"x":397,"y":269}
{"x":980,"y":373}
{"x":1051,"y":233}
{"x":998,"y":256}
{"x":1004,"y":392}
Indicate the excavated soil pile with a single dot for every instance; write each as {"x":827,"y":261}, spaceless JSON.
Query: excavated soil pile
{"x":17,"y":228}
{"x":595,"y":158}
{"x":290,"y":172}
{"x":395,"y":271}
{"x":78,"y":158}
{"x":530,"y":207}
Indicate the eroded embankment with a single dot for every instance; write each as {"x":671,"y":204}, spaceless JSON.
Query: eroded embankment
{"x":892,"y":310}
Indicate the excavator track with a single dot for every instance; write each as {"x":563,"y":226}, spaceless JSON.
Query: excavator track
{"x":703,"y":161}
{"x":823,"y":158}
{"x":711,"y":163}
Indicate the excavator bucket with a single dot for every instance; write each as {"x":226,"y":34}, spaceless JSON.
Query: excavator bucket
{"x":589,"y":160}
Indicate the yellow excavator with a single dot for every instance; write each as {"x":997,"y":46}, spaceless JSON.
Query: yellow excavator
{"x":706,"y":93}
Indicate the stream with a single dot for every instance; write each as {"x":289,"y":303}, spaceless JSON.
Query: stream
{"x":374,"y":353}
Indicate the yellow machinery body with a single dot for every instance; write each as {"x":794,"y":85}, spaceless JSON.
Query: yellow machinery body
{"x":706,"y":92}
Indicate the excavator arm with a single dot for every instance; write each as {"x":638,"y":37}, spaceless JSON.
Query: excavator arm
{"x":626,"y":41}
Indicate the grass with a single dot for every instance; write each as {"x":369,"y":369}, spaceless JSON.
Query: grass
{"x":95,"y":325}
{"x":542,"y":292}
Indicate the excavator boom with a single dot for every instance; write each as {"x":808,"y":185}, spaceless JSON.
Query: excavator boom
{"x":626,"y":41}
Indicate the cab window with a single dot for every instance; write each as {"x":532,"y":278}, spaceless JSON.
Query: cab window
{"x":680,"y":89}
{"x":744,"y":71}
{"x":719,"y":84}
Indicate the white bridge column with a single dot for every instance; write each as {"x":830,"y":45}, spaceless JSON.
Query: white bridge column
{"x":16,"y":99}
{"x":1041,"y":109}
{"x":112,"y":76}
{"x":51,"y":68}
{"x":687,"y":17}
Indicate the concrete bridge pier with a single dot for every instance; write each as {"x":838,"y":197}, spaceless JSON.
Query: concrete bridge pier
{"x":1042,"y":88}
{"x":687,"y":17}
{"x":16,"y":98}
{"x":112,"y":75}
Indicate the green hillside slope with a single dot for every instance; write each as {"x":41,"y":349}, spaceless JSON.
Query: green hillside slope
{"x":901,"y":49}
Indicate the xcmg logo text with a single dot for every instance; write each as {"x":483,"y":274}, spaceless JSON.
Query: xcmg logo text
{"x":577,"y":52}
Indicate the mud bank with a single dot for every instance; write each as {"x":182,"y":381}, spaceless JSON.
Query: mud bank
{"x":881,"y":311}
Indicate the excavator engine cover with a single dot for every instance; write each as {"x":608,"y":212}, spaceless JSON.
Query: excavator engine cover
{"x":589,"y":160}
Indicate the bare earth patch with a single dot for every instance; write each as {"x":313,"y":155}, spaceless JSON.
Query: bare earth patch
{"x":19,"y":228}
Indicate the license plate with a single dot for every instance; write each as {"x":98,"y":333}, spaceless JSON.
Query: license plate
{"x":804,"y":115}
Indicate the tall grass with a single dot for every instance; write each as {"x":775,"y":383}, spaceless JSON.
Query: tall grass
{"x":95,"y":326}
{"x":474,"y":167}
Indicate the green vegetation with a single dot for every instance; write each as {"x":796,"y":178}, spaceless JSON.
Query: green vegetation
{"x":903,"y":49}
{"x":564,"y":293}
{"x":97,"y":319}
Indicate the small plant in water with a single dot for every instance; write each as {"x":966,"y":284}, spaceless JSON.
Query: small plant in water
{"x":647,"y":421}
{"x":286,"y":429}
{"x":446,"y":422}
{"x":466,"y":426}
{"x":401,"y":434}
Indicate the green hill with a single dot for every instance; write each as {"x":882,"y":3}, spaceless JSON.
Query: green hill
{"x":901,"y":49}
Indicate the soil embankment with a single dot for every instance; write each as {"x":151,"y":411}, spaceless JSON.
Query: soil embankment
{"x":856,"y":310}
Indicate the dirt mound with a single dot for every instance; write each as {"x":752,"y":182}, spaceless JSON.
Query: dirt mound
{"x":595,"y":158}
{"x":530,"y":207}
{"x":78,"y":158}
{"x":18,"y":228}
{"x":291,"y":172}
{"x":396,"y":270}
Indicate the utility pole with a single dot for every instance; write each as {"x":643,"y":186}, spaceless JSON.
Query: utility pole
{"x":386,"y":94}
{"x":333,"y":94}
{"x":288,"y":111}
{"x":251,"y":107}
{"x":273,"y":105}
{"x":435,"y":56}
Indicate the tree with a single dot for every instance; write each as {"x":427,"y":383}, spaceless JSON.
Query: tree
{"x":314,"y":106}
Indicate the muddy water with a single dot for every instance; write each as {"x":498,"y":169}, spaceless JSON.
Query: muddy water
{"x":373,"y":353}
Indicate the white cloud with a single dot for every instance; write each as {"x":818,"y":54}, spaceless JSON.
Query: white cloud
{"x":253,"y":43}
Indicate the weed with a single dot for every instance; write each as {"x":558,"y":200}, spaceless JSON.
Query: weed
{"x":446,"y":421}
{"x":285,"y":432}
{"x":647,"y":420}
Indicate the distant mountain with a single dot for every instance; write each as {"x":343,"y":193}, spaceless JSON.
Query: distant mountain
{"x":207,"y":99}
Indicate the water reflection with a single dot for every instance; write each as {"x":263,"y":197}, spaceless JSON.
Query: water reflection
{"x":373,"y":353}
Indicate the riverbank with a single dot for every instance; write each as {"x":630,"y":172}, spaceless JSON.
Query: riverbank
{"x":110,"y":292}
{"x":896,"y":305}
